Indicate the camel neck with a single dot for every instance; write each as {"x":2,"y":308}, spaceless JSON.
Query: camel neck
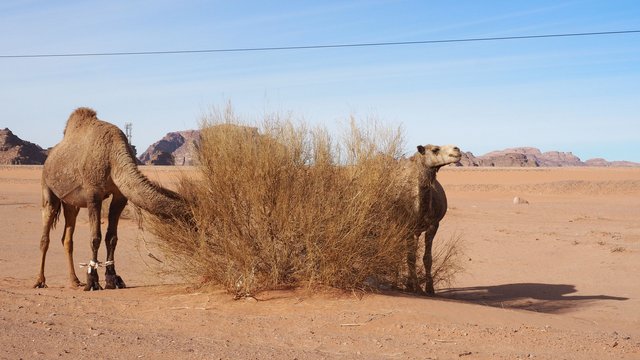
{"x":428,"y":177}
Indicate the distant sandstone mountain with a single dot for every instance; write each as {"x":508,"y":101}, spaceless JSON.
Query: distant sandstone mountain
{"x":15,"y":151}
{"x":176,"y":148}
{"x":525,"y":157}
{"x":179,"y":148}
{"x":533,"y":157}
{"x":603,"y":162}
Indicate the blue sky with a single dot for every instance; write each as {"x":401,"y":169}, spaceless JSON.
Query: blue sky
{"x":577,"y":94}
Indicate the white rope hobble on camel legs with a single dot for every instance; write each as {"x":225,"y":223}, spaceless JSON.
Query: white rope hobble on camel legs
{"x":95,"y":264}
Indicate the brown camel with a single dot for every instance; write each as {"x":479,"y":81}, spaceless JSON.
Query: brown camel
{"x":429,"y":205}
{"x":92,"y":162}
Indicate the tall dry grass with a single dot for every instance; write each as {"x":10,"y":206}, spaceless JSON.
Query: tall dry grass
{"x":448,"y":260}
{"x":281,"y":204}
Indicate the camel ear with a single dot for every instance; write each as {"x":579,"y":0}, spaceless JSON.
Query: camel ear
{"x":421,"y":149}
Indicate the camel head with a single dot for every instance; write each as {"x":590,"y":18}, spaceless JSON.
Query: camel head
{"x":434,"y":156}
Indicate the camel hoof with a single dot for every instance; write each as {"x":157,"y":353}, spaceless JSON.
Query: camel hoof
{"x":411,"y":287}
{"x":430,"y":291}
{"x":92,"y":281}
{"x":77,"y":284}
{"x":114,"y":282}
{"x":93,"y":286}
{"x":40,"y":285}
{"x":417,"y":290}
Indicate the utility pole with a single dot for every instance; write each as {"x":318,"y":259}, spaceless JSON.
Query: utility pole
{"x":127,"y":131}
{"x":128,"y":128}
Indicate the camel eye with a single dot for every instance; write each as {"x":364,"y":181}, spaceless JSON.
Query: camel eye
{"x":435,"y":150}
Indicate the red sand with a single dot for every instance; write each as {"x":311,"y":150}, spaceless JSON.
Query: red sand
{"x":554,"y":279}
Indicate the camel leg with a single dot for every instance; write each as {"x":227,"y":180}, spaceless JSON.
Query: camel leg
{"x":94,"y":207}
{"x":118,"y":202}
{"x":412,"y":248}
{"x":70,"y":215}
{"x":428,"y":257}
{"x":50,"y":211}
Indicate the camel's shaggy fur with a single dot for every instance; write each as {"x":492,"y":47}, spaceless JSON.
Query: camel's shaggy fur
{"x":92,"y":162}
{"x":429,"y":204}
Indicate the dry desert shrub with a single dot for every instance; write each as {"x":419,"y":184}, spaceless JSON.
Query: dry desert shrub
{"x":281,"y":204}
{"x":448,"y":260}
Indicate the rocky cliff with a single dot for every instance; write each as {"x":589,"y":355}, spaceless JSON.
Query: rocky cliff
{"x":176,"y":148}
{"x":15,"y":151}
{"x":180,"y":147}
{"x":529,"y":156}
{"x":533,"y":157}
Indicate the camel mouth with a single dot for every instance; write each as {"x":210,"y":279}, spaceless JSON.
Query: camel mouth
{"x":455,"y":158}
{"x":455,"y":153}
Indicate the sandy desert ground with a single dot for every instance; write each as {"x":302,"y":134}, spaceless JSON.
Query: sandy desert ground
{"x":558,"y":278}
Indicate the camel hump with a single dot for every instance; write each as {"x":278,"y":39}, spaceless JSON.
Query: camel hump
{"x":84,"y":113}
{"x":79,"y":119}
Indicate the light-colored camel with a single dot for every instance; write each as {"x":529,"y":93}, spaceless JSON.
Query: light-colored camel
{"x":92,"y":162}
{"x":429,"y":205}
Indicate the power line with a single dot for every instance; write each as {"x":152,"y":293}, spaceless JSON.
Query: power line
{"x":310,"y":47}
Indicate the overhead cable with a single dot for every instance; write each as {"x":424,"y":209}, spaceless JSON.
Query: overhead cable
{"x":311,"y":47}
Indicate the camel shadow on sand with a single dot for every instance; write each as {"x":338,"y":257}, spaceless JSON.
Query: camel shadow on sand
{"x":546,"y":298}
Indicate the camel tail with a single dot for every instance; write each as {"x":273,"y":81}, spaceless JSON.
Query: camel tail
{"x":50,"y":200}
{"x":56,"y":215}
{"x":144,"y":193}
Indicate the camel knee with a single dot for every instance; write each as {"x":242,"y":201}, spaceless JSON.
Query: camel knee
{"x":68,"y":244}
{"x":95,"y":243}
